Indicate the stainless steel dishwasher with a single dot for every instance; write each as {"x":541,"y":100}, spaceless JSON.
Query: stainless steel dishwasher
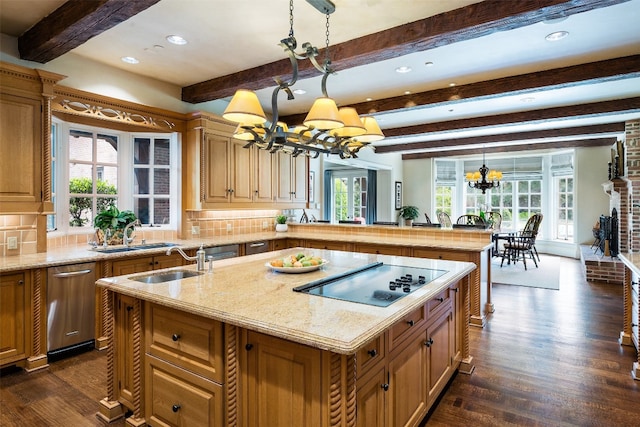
{"x":71,"y":302}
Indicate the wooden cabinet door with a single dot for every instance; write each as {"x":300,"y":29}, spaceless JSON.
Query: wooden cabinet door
{"x":407,"y":394}
{"x":241,"y":171}
{"x":299,"y":179}
{"x":123,"y":337}
{"x":370,"y":400}
{"x":440,"y":339}
{"x":164,"y":261}
{"x":283,"y":383}
{"x":20,"y":141}
{"x":380,"y":249}
{"x":14,"y":306}
{"x":132,"y":265}
{"x":263,"y":178}
{"x":284,"y":186}
{"x":217,"y":158}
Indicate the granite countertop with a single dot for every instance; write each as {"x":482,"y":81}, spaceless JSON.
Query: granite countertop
{"x":245,"y":292}
{"x":78,"y":254}
{"x":631,"y":260}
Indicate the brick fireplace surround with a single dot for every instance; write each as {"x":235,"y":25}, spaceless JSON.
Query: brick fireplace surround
{"x":624,"y":196}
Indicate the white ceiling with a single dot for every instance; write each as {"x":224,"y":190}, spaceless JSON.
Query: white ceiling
{"x":227,"y":36}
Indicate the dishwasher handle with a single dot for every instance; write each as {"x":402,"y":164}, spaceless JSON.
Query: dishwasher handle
{"x":72,"y":273}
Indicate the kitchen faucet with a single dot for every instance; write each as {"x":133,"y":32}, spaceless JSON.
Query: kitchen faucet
{"x":127,"y":241}
{"x":199,"y":258}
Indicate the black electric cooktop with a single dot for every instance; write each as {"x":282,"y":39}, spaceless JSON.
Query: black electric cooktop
{"x":374,"y":284}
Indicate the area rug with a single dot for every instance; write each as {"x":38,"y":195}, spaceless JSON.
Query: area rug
{"x":547,"y":275}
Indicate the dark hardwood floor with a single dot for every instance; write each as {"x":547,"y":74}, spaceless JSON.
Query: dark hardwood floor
{"x":545,"y":358}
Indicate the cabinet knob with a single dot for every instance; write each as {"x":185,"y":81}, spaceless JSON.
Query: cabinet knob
{"x":455,"y":289}
{"x":410,"y":322}
{"x":429,"y":342}
{"x":248,"y":347}
{"x":633,"y":283}
{"x":440,"y":299}
{"x":385,"y":387}
{"x":372,"y":353}
{"x":151,"y":263}
{"x":633,"y":325}
{"x":175,"y":337}
{"x":175,"y":408}
{"x":129,"y":307}
{"x":20,"y":282}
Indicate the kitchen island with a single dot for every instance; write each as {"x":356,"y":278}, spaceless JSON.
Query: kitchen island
{"x":239,"y":347}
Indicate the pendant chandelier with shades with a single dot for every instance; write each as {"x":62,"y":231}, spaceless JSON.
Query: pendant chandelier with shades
{"x":484,"y":179}
{"x":326,"y":129}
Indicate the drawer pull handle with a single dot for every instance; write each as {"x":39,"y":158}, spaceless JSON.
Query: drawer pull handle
{"x":248,"y":347}
{"x":372,"y":353}
{"x":410,"y":322}
{"x":175,"y":408}
{"x":440,"y":299}
{"x":429,"y":342}
{"x":456,"y":289}
{"x":175,"y":337}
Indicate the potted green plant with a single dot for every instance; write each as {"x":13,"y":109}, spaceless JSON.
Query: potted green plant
{"x":281,"y":223}
{"x":409,"y":213}
{"x":111,"y":222}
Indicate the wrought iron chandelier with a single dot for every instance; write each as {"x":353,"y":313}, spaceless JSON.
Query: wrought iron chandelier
{"x":326,"y":129}
{"x":484,"y":178}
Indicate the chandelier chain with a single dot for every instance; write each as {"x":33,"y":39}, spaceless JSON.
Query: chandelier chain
{"x":290,"y":18}
{"x":327,"y":56}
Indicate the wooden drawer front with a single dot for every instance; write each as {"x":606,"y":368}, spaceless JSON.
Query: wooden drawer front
{"x":189,"y":341}
{"x":442,"y":299}
{"x":379,"y":249}
{"x":405,"y":327}
{"x":322,"y":244}
{"x":370,"y":355}
{"x":175,"y":397}
{"x":438,"y":254}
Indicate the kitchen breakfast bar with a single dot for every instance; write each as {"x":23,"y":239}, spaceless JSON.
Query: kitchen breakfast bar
{"x":238,"y":347}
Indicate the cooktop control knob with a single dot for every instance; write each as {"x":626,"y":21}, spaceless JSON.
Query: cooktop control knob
{"x":422,"y":280}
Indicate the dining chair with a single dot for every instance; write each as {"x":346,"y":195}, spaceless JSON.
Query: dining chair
{"x":470,"y":219}
{"x":523,"y":243}
{"x":444,"y":219}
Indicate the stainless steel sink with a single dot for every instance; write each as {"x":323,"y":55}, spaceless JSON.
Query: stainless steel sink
{"x":116,"y":249}
{"x":166,"y":277}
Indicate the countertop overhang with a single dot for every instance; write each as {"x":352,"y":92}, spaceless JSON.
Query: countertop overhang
{"x":245,"y":292}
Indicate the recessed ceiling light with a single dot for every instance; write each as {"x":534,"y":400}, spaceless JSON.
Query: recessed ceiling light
{"x":299,"y":91}
{"x":173,"y":39}
{"x":369,"y":99}
{"x":407,"y":92}
{"x":557,"y":35}
{"x":452,"y":84}
{"x":404,"y":69}
{"x":129,"y":60}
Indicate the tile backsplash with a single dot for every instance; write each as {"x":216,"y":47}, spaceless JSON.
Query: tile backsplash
{"x":20,"y":229}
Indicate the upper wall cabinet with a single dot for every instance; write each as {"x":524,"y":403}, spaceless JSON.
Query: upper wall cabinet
{"x":231,"y":176}
{"x":25,"y":139}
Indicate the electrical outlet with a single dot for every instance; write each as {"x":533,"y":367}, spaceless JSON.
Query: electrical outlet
{"x":229,"y":226}
{"x":264,"y":225}
{"x":12,"y":243}
{"x":195,"y":229}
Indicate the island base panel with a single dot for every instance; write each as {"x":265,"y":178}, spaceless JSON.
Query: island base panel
{"x":36,"y":363}
{"x":625,"y":339}
{"x":635,"y":373}
{"x":467,"y":366}
{"x":110,"y":410}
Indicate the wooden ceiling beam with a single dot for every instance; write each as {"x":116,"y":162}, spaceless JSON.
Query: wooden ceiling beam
{"x":595,"y":142}
{"x":72,"y":24}
{"x":600,"y":71}
{"x":618,"y":106}
{"x":455,"y":26}
{"x":577,"y":131}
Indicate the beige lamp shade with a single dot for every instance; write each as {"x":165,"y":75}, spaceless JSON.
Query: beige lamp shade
{"x":245,"y":108}
{"x":372,"y":130}
{"x":353,"y":126}
{"x":244,"y":134}
{"x":323,"y":115}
